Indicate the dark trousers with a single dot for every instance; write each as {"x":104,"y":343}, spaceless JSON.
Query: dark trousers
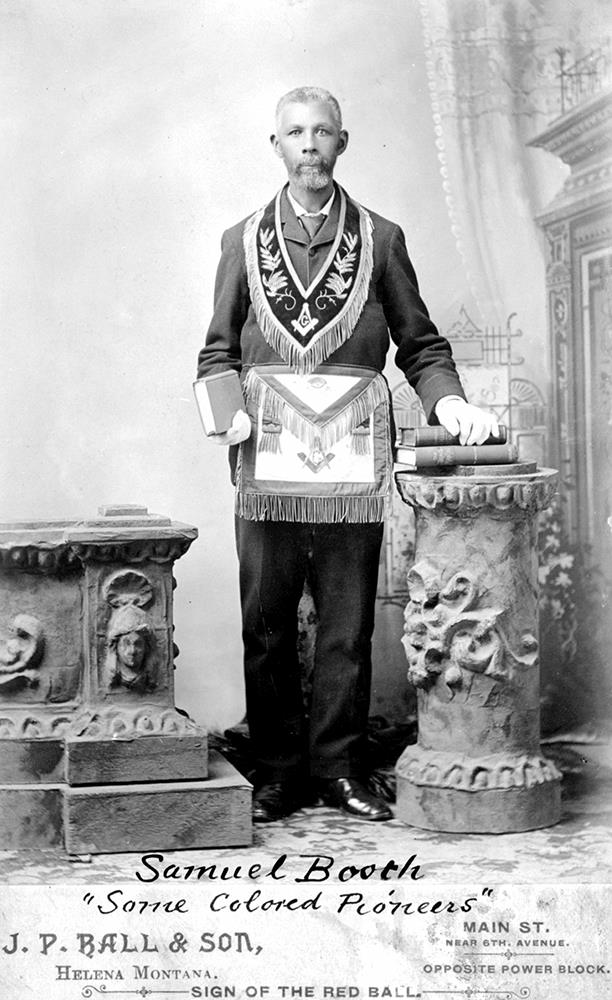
{"x":342,"y":564}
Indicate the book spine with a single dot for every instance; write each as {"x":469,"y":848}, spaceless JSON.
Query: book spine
{"x":426,"y":437}
{"x":424,"y":458}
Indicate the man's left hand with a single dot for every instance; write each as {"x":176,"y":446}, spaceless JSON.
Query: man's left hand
{"x":472,"y":424}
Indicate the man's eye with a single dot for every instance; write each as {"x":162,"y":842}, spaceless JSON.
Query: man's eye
{"x":323,"y":131}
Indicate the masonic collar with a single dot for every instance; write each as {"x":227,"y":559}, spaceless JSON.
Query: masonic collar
{"x":307,"y":324}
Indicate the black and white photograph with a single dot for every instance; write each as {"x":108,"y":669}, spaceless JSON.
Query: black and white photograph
{"x":306,"y":499}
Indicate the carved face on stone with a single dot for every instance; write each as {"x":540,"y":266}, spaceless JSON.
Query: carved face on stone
{"x":21,"y":650}
{"x":129,"y":639}
{"x":131,"y":650}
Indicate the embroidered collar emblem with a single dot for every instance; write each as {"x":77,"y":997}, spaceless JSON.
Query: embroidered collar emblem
{"x":306,"y":325}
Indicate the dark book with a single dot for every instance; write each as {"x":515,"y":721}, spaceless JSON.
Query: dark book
{"x":456,"y":454}
{"x":499,"y":471}
{"x":219,"y":397}
{"x":426,"y":437}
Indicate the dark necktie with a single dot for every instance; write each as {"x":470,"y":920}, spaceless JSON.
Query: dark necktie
{"x":312,"y":223}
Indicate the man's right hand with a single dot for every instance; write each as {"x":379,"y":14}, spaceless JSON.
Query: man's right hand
{"x":239,"y":431}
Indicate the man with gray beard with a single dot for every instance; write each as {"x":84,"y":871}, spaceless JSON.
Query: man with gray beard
{"x":310,"y":290}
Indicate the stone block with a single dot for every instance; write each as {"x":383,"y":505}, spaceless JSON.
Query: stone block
{"x":160,"y":816}
{"x":30,"y":817}
{"x":496,"y":810}
{"x":31,"y":761}
{"x":147,"y":758}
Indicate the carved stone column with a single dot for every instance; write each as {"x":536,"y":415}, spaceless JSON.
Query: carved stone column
{"x":94,"y":755}
{"x":470,"y":637}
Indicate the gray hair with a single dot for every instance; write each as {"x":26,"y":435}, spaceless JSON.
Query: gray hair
{"x":307,"y":95}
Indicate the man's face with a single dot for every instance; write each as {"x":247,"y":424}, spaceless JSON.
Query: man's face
{"x":309,"y":142}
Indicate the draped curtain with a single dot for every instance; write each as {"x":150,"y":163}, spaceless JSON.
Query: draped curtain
{"x":492,"y":69}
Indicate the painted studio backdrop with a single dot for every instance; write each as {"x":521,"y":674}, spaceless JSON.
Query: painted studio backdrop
{"x":135,"y":132}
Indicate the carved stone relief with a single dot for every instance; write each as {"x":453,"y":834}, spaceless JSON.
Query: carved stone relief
{"x":130,"y":637}
{"x":21,"y":651}
{"x":503,"y":499}
{"x":503,"y":771}
{"x":445,"y":632}
{"x":157,"y":550}
{"x":127,"y":723}
{"x":35,"y":724}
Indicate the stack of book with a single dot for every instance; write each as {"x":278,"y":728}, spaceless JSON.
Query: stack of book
{"x":435,"y":448}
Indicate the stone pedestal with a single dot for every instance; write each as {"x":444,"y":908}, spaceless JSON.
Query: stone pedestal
{"x":470,"y":636}
{"x":94,"y":755}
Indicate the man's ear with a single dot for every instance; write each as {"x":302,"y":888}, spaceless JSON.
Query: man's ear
{"x":343,"y":138}
{"x":275,"y":146}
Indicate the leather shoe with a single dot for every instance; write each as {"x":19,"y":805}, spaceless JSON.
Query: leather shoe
{"x":350,"y":795}
{"x":273,"y":801}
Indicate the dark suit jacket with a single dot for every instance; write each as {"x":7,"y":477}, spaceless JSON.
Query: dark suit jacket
{"x":393,"y":311}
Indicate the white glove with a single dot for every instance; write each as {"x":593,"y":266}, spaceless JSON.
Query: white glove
{"x":239,"y":431}
{"x":472,"y":424}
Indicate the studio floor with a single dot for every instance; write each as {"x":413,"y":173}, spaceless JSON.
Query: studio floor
{"x":577,"y":850}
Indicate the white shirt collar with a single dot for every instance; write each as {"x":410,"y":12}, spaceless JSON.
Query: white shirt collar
{"x":299,"y":210}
